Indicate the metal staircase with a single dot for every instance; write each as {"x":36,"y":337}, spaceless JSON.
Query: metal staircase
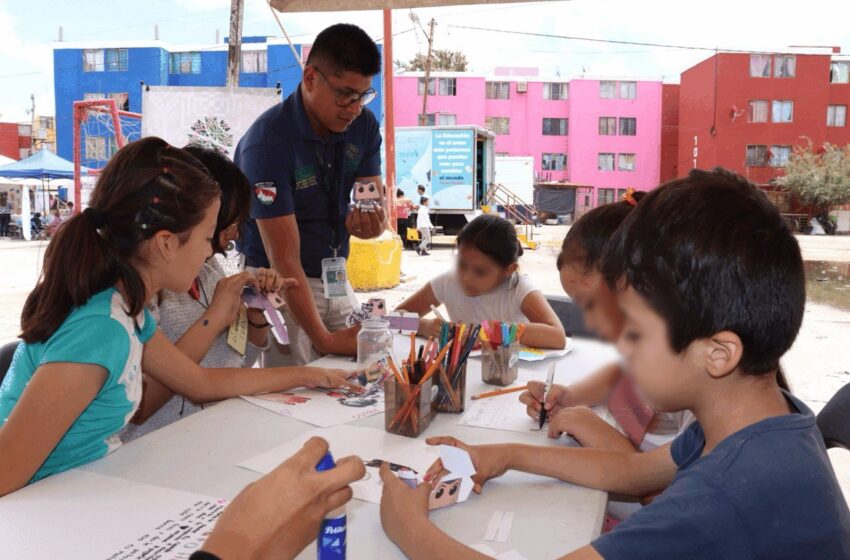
{"x":516,"y":209}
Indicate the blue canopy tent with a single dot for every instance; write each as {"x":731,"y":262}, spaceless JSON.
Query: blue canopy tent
{"x":42,"y":165}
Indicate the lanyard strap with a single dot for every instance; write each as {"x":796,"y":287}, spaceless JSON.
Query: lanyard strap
{"x":331,"y":178}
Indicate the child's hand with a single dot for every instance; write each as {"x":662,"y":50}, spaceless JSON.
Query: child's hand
{"x":332,"y":379}
{"x":559,"y":397}
{"x":490,"y":461}
{"x":401,"y":506}
{"x":429,"y":327}
{"x":227,"y":298}
{"x":280,"y":514}
{"x":269,"y":280}
{"x":588,"y":429}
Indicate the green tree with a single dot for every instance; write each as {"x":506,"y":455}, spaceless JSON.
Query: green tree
{"x":441,"y":60}
{"x":821,"y":178}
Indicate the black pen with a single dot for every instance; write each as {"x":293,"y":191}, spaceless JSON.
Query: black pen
{"x":549,"y":379}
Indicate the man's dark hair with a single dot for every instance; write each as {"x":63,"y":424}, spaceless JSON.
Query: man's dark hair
{"x":423,"y":199}
{"x":420,"y":188}
{"x":399,"y":193}
{"x":711,"y":253}
{"x":345,"y":47}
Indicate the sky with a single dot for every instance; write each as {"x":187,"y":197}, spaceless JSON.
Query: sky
{"x":28,"y":29}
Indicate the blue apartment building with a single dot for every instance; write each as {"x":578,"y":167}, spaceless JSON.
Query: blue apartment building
{"x":117,"y":69}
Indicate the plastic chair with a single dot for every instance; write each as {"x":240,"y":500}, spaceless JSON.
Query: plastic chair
{"x":7,"y":352}
{"x":570,"y":315}
{"x":834,"y":420}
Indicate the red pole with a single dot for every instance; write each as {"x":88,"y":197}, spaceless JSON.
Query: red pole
{"x":77,"y":182}
{"x":389,"y":121}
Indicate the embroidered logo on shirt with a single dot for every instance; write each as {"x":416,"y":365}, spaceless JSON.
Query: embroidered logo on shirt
{"x":305,"y":177}
{"x":352,"y":158}
{"x":266,"y":192}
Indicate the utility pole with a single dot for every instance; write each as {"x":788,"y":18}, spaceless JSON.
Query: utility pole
{"x":424,"y":114}
{"x":234,"y":49}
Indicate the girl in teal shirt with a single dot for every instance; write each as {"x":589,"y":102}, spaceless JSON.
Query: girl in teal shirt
{"x":76,"y":380}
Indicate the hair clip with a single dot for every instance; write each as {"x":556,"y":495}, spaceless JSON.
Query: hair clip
{"x":165,"y":170}
{"x":629,"y":196}
{"x":155,"y":200}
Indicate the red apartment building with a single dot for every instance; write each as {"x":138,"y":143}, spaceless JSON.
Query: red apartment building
{"x":747,"y":112}
{"x":15,"y":140}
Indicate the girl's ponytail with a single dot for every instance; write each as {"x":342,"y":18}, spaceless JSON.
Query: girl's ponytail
{"x":146,"y":187}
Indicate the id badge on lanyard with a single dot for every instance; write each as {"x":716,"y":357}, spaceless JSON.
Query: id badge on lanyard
{"x":334,"y":274}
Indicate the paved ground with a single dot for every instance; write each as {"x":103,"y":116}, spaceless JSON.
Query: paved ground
{"x":817,"y":365}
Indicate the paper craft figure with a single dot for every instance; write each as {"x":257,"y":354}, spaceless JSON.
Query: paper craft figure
{"x":445,"y":494}
{"x":378,"y":307}
{"x":367,"y":197}
{"x":402,"y":322}
{"x":453,"y":488}
{"x":269,"y":303}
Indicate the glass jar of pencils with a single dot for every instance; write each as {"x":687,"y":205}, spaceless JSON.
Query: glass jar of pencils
{"x":499,"y":365}
{"x":407,"y":407}
{"x":451,"y":389}
{"x":374,"y":346}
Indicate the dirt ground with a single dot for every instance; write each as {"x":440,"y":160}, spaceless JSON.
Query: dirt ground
{"x":817,"y":365}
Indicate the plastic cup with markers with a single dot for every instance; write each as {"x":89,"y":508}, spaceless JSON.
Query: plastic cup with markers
{"x":500,"y":352}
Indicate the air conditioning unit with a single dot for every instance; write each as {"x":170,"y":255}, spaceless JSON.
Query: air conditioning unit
{"x":521,"y":87}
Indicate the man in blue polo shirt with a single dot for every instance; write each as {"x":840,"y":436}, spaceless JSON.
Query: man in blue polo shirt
{"x":303,"y":157}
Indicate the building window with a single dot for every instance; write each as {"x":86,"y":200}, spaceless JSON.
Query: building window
{"x":430,"y":119}
{"x":607,"y":126}
{"x":606,"y":162}
{"x":554,"y":162}
{"x":93,"y":96}
{"x":782,"y":111}
{"x":93,"y":60}
{"x":184,"y":63}
{"x":432,"y":86}
{"x":446,"y":119}
{"x":555,"y":127}
{"x":759,"y":66}
{"x":447,"y":86}
{"x":836,"y":115}
{"x":784,"y":65}
{"x":607,"y":90}
{"x":116,"y":60}
{"x":122,"y":100}
{"x":255,"y":62}
{"x":555,"y":91}
{"x":628,"y":126}
{"x":756,"y":156}
{"x":24,"y":130}
{"x":779,"y":156}
{"x":498,"y":90}
{"x":501,"y":126}
{"x":839,"y":73}
{"x":626,"y":162}
{"x":758,"y":111}
{"x":96,"y":147}
{"x":438,"y":86}
{"x":607,"y":196}
{"x":628,"y":90}
{"x":45,"y":122}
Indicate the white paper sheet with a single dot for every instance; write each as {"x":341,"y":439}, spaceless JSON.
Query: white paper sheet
{"x":323,"y":408}
{"x":529,"y":354}
{"x":368,"y":444}
{"x":87,"y":516}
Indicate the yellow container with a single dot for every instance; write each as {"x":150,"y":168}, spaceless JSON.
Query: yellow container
{"x":375,"y":264}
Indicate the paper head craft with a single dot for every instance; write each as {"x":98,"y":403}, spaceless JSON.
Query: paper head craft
{"x":456,"y":486}
{"x":379,"y":307}
{"x":367,"y":196}
{"x":269,"y":303}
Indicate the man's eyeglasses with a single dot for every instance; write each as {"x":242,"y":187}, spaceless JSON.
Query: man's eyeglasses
{"x":346,"y":97}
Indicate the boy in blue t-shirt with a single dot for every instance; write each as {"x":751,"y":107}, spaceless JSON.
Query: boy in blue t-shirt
{"x":712,"y":286}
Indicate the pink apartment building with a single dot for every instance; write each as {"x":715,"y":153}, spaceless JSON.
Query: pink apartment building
{"x":604,"y":134}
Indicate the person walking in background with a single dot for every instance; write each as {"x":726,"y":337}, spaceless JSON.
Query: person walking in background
{"x":403,"y":208}
{"x":423,"y":224}
{"x":5,"y":215}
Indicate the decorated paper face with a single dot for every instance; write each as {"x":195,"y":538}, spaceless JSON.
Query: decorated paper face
{"x":366,"y":191}
{"x":379,"y":307}
{"x":445,"y":494}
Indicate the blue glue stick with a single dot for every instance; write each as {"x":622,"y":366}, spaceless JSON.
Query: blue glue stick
{"x":331,"y":541}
